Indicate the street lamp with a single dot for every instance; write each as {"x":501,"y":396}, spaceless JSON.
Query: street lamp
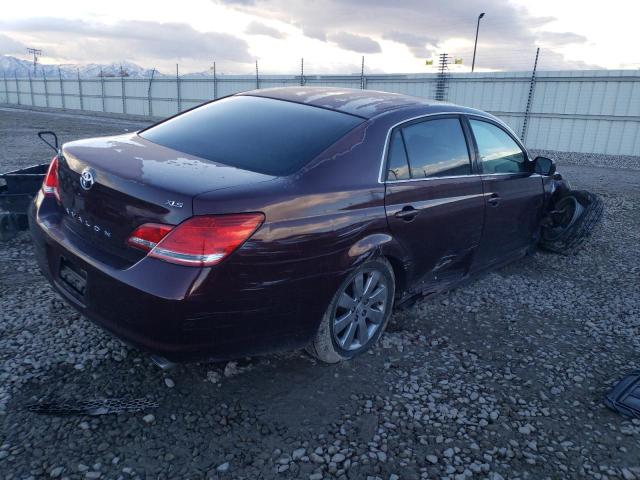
{"x":475,"y":45}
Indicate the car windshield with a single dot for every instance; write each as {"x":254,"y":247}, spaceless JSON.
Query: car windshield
{"x":262,"y":135}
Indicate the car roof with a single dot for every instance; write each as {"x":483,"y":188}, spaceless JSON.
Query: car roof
{"x":363,"y":103}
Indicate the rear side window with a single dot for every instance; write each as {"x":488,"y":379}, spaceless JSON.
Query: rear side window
{"x":398,"y":166}
{"x":498,"y":151}
{"x":263,"y":135}
{"x":437,"y":148}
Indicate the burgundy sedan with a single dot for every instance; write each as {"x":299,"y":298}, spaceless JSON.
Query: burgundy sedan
{"x":283,"y":218}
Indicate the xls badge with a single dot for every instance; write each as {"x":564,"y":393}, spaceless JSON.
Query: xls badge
{"x":87,"y":179}
{"x":174,"y":204}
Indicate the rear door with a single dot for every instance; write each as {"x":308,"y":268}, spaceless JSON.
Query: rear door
{"x":434,"y":199}
{"x":513,"y":193}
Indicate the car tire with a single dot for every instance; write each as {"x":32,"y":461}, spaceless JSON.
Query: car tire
{"x":369,"y":312}
{"x":583,"y":210}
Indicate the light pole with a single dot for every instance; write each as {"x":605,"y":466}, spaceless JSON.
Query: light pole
{"x":475,"y":45}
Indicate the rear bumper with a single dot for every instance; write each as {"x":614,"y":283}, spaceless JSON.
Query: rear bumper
{"x":181,"y":313}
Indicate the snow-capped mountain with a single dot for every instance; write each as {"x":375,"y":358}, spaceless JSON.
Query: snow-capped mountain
{"x":15,"y":67}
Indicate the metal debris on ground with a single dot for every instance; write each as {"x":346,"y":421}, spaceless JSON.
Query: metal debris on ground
{"x":92,"y":407}
{"x":624,"y":398}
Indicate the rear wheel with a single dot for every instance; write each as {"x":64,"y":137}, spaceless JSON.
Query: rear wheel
{"x":358,"y":313}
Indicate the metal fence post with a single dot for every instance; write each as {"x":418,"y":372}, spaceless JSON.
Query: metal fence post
{"x":149,"y":101}
{"x":215,"y":82}
{"x":178,"y":89}
{"x":80,"y":90}
{"x":362,"y":74}
{"x":64,"y":106}
{"x":104,"y":110}
{"x":6,"y":88}
{"x":17,"y":88}
{"x":527,"y":110}
{"x":33,"y":103}
{"x":257,"y":77}
{"x":124,"y":98}
{"x":302,"y":72}
{"x":46,"y":88}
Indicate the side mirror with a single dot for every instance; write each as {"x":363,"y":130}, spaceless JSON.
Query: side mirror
{"x":544,"y":166}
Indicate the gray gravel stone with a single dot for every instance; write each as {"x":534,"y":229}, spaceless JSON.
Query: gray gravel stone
{"x":149,"y":418}
{"x":488,"y":376}
{"x":56,"y":472}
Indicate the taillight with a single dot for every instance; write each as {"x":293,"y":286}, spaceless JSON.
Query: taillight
{"x":147,"y":236}
{"x":51,"y":186}
{"x":199,"y":241}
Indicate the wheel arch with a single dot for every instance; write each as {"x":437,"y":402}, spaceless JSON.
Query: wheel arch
{"x":385,"y":245}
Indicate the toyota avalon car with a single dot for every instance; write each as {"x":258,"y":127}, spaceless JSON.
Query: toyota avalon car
{"x":283,"y":218}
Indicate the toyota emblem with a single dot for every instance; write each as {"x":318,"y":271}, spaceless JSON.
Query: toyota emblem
{"x":86,"y":179}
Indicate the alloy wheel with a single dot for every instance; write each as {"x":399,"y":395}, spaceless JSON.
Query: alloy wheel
{"x":360,"y":309}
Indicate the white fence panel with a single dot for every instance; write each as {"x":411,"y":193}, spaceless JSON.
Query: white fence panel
{"x":577,"y":111}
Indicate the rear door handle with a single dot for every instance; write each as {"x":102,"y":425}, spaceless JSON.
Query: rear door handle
{"x":494,"y":200}
{"x":407,"y":213}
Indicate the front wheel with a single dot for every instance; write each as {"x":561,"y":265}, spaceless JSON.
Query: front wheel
{"x":572,"y":220}
{"x":358,"y":313}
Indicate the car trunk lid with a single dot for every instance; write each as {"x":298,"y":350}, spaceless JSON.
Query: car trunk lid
{"x":129,"y":181}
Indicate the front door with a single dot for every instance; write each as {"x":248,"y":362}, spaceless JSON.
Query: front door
{"x":434,"y":201}
{"x":513,"y":195}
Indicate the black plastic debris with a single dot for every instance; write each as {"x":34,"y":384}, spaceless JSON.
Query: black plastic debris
{"x":624,"y":398}
{"x":92,"y":407}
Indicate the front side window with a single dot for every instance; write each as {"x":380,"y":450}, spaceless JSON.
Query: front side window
{"x":437,"y":148}
{"x":499,"y":153}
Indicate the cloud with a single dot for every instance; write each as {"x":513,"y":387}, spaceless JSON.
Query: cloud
{"x":142,"y":41}
{"x":423,"y":27}
{"x":10,"y":46}
{"x":560,"y":38}
{"x":417,"y":44}
{"x":257,"y":28}
{"x":356,"y":43}
{"x":315,"y":33}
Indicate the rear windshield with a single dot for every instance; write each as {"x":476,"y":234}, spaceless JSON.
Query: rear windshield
{"x":263,"y":135}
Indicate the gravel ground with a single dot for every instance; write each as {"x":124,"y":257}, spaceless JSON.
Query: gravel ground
{"x":500,"y":378}
{"x":592,"y":159}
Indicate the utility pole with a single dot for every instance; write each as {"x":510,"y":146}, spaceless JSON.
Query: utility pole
{"x":441,"y":82}
{"x":475,"y":45}
{"x":36,"y":53}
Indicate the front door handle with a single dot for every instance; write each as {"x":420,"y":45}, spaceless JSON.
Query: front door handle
{"x":494,"y":200}
{"x":407,"y":213}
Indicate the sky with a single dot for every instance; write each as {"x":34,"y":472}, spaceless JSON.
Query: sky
{"x":332,"y":35}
